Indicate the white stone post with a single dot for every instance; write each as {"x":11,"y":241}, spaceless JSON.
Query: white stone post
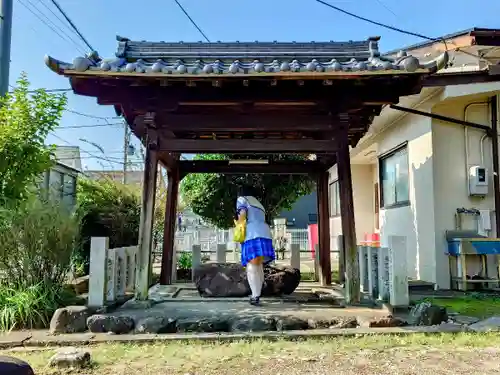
{"x":316,"y":262}
{"x":295,"y":256}
{"x":111,"y":275}
{"x":131,"y":256}
{"x":398,"y":274}
{"x":220,"y":255}
{"x":196,"y":258}
{"x":363,"y":287}
{"x":97,"y":273}
{"x":383,"y":273}
{"x":121,"y":272}
{"x":372,"y":271}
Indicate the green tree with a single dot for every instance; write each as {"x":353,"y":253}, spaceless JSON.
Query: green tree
{"x":213,"y":196}
{"x":25,"y":121}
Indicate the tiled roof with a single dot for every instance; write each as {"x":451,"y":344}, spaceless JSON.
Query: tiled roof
{"x":162,"y":58}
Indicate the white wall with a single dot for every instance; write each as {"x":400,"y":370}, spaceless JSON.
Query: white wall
{"x":451,"y":172}
{"x":363,"y":195}
{"x":415,"y":221}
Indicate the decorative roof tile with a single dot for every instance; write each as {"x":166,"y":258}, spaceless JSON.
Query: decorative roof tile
{"x":274,"y":58}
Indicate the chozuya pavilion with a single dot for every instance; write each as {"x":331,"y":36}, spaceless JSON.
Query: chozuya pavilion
{"x":261,"y":97}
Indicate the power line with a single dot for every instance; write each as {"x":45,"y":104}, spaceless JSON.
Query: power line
{"x":59,"y":18}
{"x":386,"y":7}
{"x":72,"y":24}
{"x":47,"y":22}
{"x":377,"y":23}
{"x":92,"y":116}
{"x":46,"y":90}
{"x":91,"y":125}
{"x":192,"y":21}
{"x":85,"y":151}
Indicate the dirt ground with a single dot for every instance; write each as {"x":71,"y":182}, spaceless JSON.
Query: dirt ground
{"x":417,"y":354}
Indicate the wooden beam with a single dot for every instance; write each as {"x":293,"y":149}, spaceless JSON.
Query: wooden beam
{"x":221,"y":166}
{"x":245,"y":122}
{"x":146,"y":223}
{"x":195,"y":146}
{"x":342,"y":94}
{"x":324,"y":230}
{"x":450,"y":79}
{"x":352,"y":292}
{"x":169,"y":228}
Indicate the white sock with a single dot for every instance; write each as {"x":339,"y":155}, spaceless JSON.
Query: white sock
{"x":261,"y":274}
{"x":254,"y":279}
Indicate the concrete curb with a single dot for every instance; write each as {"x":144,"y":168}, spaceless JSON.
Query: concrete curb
{"x":43,"y":338}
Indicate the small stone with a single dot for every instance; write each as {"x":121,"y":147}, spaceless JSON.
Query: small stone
{"x":110,"y":323}
{"x":70,"y":357}
{"x":486,"y":325}
{"x":337,"y":322}
{"x":156,"y":324}
{"x":386,"y":322}
{"x":70,"y":319}
{"x":202,"y":325}
{"x":14,"y":366}
{"x":254,"y":324}
{"x":290,"y":323}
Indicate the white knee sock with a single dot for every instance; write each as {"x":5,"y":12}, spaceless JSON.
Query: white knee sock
{"x":261,"y":274}
{"x":254,"y":279}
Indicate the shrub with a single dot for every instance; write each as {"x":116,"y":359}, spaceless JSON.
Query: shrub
{"x":185,"y":261}
{"x":37,"y":240}
{"x":32,"y":307}
{"x":108,"y":209}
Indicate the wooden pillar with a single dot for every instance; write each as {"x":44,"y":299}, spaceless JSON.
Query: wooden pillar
{"x":169,"y":227}
{"x":352,"y":292}
{"x":325,"y":267}
{"x":146,"y":222}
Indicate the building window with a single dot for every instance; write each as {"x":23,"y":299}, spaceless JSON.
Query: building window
{"x":334,"y":199}
{"x":394,"y":178}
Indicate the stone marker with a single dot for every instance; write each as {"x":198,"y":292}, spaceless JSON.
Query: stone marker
{"x":70,"y":357}
{"x":14,"y":366}
{"x":70,"y":319}
{"x":109,"y":323}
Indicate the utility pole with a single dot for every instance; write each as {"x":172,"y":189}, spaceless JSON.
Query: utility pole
{"x":125,"y":151}
{"x":6,"y":7}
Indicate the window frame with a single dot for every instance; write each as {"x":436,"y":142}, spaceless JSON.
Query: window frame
{"x":334,"y":199}
{"x":382,"y":158}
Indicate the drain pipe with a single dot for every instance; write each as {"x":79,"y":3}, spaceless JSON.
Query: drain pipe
{"x":494,"y":148}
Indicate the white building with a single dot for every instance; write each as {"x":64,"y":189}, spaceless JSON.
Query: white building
{"x":411,"y":172}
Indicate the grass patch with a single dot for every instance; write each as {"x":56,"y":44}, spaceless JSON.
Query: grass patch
{"x":479,"y":306}
{"x":261,"y":357}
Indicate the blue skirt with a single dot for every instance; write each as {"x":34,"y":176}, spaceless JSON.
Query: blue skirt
{"x":257,"y":247}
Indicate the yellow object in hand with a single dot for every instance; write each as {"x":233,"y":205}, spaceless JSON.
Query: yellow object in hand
{"x":239,"y":231}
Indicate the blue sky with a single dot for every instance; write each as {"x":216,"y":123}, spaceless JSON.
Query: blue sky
{"x":225,"y":20}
